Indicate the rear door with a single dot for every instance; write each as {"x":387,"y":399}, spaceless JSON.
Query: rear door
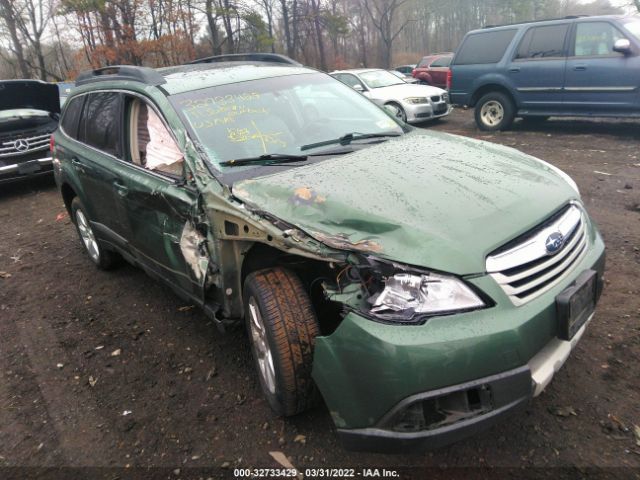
{"x":538,"y":67}
{"x":599,"y":80}
{"x":96,"y":161}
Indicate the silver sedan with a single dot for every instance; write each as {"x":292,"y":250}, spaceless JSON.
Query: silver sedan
{"x":410,"y":102}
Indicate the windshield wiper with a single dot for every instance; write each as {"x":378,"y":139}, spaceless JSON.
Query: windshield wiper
{"x":277,"y":158}
{"x":347,"y":139}
{"x":268,"y":159}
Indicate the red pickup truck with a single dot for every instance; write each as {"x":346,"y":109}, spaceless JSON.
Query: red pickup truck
{"x":433,"y":69}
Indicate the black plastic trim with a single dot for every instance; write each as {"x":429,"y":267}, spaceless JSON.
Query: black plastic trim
{"x":510,"y":390}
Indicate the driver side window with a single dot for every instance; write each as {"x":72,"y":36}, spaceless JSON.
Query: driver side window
{"x":350,"y":80}
{"x":152,"y":145}
{"x":595,"y":39}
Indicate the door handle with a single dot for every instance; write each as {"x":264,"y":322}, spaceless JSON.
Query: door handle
{"x":120,"y":188}
{"x":514,"y":70}
{"x":75,"y":162}
{"x":580,"y":68}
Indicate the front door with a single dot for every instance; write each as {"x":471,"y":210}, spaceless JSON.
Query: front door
{"x":161,"y":209}
{"x":537,"y":69}
{"x":599,"y":80}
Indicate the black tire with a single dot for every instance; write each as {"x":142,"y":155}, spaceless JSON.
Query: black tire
{"x":494,"y":111}
{"x":102,"y":258}
{"x":398,"y":112}
{"x":290,"y":327}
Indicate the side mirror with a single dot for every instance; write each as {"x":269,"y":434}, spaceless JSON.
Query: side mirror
{"x":622,"y":45}
{"x":359,"y":88}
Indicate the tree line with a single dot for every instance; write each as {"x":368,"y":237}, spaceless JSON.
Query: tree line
{"x":55,"y":39}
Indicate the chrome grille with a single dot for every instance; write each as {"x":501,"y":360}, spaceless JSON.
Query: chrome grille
{"x":526,"y":270}
{"x":20,"y":146}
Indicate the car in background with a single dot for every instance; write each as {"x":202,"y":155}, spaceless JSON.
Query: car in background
{"x":575,"y":66}
{"x":406,"y":69}
{"x":433,"y":69}
{"x":402,"y":76}
{"x":409,"y":103}
{"x":65,"y":90}
{"x":29,"y":113}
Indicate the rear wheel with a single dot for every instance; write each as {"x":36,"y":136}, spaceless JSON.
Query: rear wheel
{"x":104,"y":259}
{"x":494,"y":111}
{"x":282,"y":329}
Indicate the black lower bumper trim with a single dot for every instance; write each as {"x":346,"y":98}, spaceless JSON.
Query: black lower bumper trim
{"x":511,"y":390}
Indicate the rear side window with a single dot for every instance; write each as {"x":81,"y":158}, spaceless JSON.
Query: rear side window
{"x":485,"y":47}
{"x":102,"y":121}
{"x":425,"y":61}
{"x":71,"y":116}
{"x":543,"y":42}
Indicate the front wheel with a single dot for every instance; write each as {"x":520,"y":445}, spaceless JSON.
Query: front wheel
{"x":397,"y":111}
{"x":494,"y":111}
{"x":282,"y":329}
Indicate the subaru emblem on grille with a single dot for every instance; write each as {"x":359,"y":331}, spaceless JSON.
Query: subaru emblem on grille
{"x":554,"y":243}
{"x":21,"y":145}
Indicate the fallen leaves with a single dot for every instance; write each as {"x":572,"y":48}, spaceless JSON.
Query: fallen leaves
{"x":5,"y":275}
{"x":93,"y":381}
{"x":636,"y":432}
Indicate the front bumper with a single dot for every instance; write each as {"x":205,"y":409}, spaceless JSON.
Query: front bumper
{"x":11,"y":171}
{"x":367,"y":372}
{"x":426,"y":111}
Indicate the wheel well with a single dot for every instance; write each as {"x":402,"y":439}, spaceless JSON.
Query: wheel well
{"x":311,"y":273}
{"x":477,"y":95}
{"x":68,"y":194}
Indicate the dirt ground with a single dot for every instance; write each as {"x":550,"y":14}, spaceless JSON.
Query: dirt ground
{"x":110,"y":369}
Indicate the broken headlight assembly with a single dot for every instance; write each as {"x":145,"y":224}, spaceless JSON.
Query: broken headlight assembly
{"x":402,"y":296}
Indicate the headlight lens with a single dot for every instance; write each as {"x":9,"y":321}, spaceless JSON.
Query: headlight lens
{"x":407,"y":294}
{"x":416,"y":100}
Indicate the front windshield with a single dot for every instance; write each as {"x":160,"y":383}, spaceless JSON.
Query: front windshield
{"x":380,"y":78}
{"x":633,"y":27}
{"x":277,"y":116}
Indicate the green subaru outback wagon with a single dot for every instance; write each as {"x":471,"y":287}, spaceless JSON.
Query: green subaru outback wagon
{"x":422,"y":284}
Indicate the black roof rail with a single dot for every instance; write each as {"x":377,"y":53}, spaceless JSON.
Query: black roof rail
{"x":568,"y":17}
{"x":145,"y":75}
{"x":248,"y":57}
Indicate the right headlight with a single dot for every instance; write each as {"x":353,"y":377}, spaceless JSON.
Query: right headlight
{"x":408,"y":294}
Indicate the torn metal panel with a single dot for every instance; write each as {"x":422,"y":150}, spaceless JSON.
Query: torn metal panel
{"x":191,"y":246}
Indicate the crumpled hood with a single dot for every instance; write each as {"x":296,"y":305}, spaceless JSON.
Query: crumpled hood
{"x":427,"y":199}
{"x":17,"y":94}
{"x":405,"y":90}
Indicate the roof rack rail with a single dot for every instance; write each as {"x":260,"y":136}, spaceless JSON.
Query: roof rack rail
{"x":121,"y":72}
{"x":248,"y":57}
{"x":568,"y":17}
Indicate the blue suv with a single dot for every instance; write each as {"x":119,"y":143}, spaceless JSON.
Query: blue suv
{"x":575,"y":66}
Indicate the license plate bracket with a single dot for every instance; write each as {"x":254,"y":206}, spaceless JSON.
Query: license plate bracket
{"x":28,"y":167}
{"x":576,"y":303}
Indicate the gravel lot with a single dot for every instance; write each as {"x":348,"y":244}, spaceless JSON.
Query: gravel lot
{"x":112,"y":370}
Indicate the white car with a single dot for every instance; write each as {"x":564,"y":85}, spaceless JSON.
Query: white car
{"x":409,"y":102}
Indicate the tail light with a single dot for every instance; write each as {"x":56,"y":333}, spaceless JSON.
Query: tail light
{"x":52,"y":144}
{"x":449,"y":79}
